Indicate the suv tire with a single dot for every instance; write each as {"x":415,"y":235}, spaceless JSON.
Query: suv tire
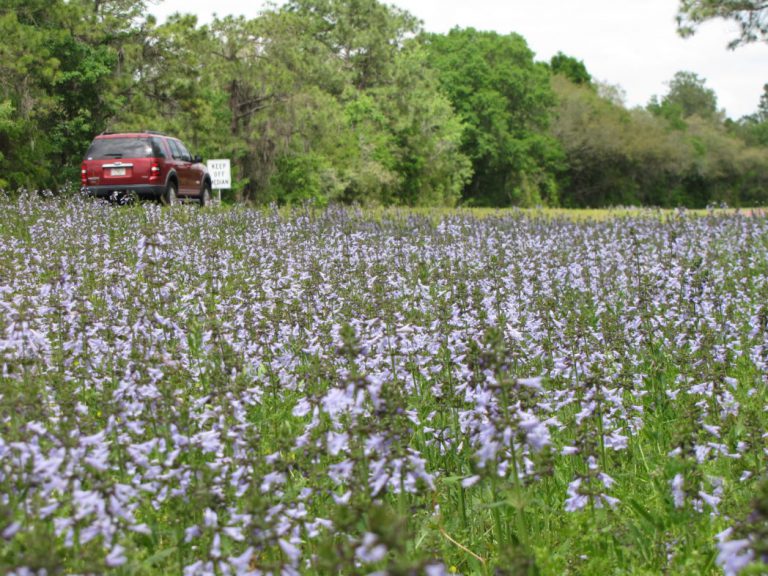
{"x":205,"y":196}
{"x":170,"y":197}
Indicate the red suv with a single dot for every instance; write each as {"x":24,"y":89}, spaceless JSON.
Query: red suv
{"x":147,"y":164}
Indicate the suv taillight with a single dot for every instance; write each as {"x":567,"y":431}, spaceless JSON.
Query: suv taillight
{"x":83,"y":174}
{"x":154,"y":171}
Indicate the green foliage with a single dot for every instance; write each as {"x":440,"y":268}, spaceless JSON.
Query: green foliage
{"x":504,"y":97}
{"x":687,"y":96}
{"x":56,"y":75}
{"x":609,"y":149}
{"x":364,"y":35}
{"x":762,"y":108}
{"x":753,"y":129}
{"x":724,"y":168}
{"x":426,"y":132}
{"x":753,"y":133}
{"x":342,"y":83}
{"x":571,"y":68}
{"x":299,"y":177}
{"x":660,"y":156}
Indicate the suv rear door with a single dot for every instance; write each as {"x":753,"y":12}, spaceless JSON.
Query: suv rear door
{"x":116,"y":161}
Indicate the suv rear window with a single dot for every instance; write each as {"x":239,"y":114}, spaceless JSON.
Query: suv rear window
{"x":103,"y":148}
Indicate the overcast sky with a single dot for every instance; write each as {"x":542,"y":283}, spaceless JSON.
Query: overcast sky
{"x":632,"y":43}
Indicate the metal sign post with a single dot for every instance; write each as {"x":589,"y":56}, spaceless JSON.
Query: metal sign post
{"x":221,"y":176}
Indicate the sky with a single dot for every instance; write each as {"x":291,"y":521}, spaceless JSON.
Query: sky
{"x":629,"y":43}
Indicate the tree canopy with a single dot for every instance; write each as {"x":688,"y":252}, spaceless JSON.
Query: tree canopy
{"x":687,"y":96}
{"x":571,"y":68}
{"x":504,"y":98}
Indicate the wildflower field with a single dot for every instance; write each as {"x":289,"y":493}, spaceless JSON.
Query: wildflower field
{"x":241,"y":391}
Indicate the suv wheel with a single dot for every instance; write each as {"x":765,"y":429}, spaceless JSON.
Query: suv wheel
{"x":171,"y":195}
{"x":205,"y":196}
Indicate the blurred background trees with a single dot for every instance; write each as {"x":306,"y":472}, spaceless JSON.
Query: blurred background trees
{"x":350,"y":101}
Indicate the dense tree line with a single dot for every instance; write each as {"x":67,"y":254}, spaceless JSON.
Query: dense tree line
{"x":351,"y":101}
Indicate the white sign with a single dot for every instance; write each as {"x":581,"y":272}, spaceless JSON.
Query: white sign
{"x":221,"y":174}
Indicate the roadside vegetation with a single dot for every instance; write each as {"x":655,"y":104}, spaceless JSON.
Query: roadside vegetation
{"x":353,"y":102}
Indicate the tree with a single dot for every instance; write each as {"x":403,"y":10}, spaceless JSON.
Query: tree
{"x":725,"y":168}
{"x":762,"y":107}
{"x":365,"y":35}
{"x":753,"y":129}
{"x":334,"y":100}
{"x":26,"y":65}
{"x":687,"y":96}
{"x":426,"y":132}
{"x":750,"y":15}
{"x":504,"y":99}
{"x":571,"y":68}
{"x":168,"y":84}
{"x":56,"y":62}
{"x":613,"y":155}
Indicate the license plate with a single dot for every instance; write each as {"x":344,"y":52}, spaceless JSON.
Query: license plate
{"x":118,"y":172}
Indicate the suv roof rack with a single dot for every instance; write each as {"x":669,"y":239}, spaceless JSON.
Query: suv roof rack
{"x":154,"y":132}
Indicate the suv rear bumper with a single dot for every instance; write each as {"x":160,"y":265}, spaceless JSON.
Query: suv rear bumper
{"x":142,"y":190}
